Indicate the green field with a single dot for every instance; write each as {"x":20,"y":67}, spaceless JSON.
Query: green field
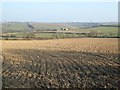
{"x":53,"y":30}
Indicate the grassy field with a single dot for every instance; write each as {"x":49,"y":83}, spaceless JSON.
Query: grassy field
{"x":65,"y":63}
{"x":23,"y":26}
{"x":53,"y":31}
{"x":14,"y":27}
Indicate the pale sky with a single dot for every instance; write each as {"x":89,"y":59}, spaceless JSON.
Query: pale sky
{"x":59,"y":0}
{"x":60,"y":11}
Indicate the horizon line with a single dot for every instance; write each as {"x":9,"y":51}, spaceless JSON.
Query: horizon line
{"x":62,"y":22}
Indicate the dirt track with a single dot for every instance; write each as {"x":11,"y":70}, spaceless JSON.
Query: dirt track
{"x":66,"y":63}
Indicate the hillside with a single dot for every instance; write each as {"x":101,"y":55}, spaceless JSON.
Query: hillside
{"x":24,"y":26}
{"x":37,"y":30}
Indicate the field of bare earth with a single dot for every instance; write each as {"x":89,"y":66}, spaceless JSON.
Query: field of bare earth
{"x":61,"y":63}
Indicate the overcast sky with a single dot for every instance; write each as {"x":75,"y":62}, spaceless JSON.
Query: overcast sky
{"x":60,"y":12}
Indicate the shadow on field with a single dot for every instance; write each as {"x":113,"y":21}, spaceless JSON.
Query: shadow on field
{"x":55,"y":69}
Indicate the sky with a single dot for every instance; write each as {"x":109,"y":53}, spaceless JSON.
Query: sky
{"x":60,"y":11}
{"x":59,"y":0}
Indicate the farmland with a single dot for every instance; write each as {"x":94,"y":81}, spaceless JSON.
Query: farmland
{"x":65,"y":63}
{"x":34,"y":30}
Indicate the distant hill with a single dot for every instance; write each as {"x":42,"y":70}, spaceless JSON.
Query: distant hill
{"x":30,"y":26}
{"x":37,"y":30}
{"x":92,"y":24}
{"x":9,"y":27}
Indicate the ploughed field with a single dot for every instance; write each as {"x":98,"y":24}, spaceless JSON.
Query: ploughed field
{"x":65,"y":63}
